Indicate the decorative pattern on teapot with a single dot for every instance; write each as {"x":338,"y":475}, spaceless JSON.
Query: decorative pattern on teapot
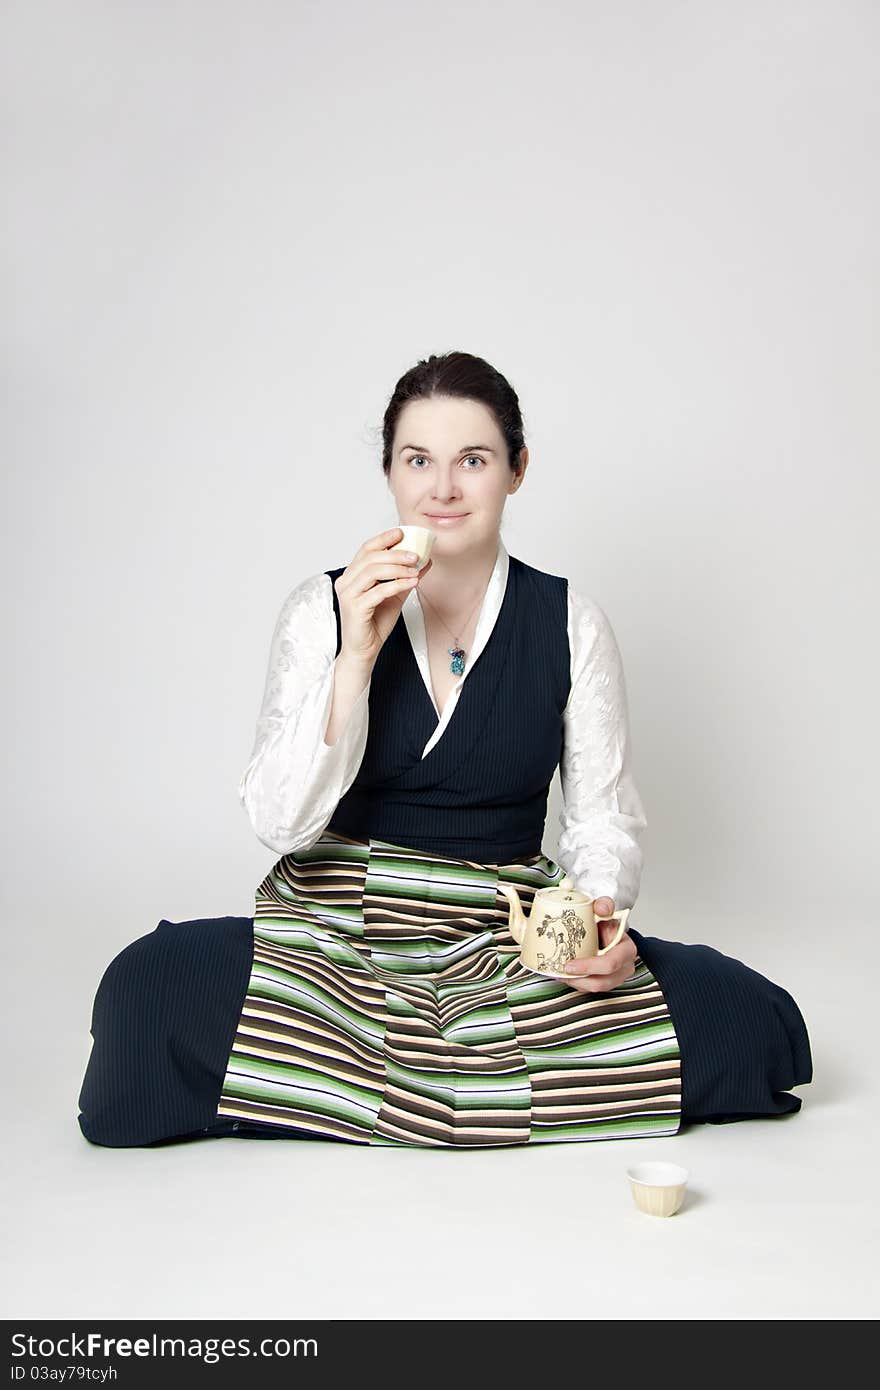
{"x":566,"y":933}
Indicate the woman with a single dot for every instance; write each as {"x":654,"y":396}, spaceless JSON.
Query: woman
{"x":377,"y":995}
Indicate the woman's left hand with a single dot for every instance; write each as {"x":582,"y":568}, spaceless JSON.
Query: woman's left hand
{"x":599,"y":974}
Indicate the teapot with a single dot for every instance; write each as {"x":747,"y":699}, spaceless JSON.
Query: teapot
{"x":560,"y":927}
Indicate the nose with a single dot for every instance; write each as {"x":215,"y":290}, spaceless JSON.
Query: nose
{"x":446,"y":489}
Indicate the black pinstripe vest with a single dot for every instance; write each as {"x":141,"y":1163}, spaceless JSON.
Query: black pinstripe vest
{"x":481,"y":791}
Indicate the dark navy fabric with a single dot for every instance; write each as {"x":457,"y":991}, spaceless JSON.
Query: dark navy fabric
{"x":163,"y":1023}
{"x":743,"y":1040}
{"x":168,"y":1005}
{"x":481,"y":791}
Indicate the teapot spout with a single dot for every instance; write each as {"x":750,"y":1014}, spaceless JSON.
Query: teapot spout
{"x":517,"y":922}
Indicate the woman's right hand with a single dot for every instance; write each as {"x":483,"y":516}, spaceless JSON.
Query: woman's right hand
{"x":368,"y":607}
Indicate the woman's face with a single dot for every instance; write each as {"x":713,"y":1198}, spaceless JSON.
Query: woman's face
{"x":449,"y":457}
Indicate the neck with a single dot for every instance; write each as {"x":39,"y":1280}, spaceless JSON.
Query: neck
{"x":454,"y":584}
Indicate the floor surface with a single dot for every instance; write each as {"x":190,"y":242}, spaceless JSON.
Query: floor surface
{"x":780,"y":1220}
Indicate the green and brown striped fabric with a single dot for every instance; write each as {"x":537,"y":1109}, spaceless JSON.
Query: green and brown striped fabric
{"x":387,"y":1005}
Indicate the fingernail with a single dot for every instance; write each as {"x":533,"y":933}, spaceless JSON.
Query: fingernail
{"x":570,"y":967}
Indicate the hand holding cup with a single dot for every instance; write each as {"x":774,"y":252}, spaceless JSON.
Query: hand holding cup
{"x":371,"y":591}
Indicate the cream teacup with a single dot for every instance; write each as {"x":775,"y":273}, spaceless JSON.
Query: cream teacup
{"x":418,"y":539}
{"x":658,"y":1188}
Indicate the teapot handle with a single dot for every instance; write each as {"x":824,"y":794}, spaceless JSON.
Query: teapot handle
{"x":622,"y":916}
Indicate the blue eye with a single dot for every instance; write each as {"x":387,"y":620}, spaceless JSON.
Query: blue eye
{"x":479,"y":460}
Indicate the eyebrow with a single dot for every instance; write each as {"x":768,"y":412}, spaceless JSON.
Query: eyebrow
{"x":468,"y":449}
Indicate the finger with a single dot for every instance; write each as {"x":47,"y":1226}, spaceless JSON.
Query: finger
{"x":596,"y":984}
{"x":382,"y":571}
{"x":591,"y":965}
{"x":370,"y":599}
{"x":603,"y":907}
{"x":599,"y":984}
{"x":383,"y":539}
{"x":620,"y":957}
{"x":362,"y":573}
{"x":375,"y":572}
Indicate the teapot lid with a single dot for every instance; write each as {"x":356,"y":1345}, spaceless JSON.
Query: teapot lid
{"x":566,"y":892}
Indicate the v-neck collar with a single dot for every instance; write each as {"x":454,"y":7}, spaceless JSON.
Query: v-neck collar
{"x":414,"y":619}
{"x":487,"y":667}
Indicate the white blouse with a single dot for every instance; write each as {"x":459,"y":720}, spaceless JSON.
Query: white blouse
{"x":294,"y":780}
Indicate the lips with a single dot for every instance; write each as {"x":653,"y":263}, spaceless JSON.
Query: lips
{"x":445,"y":516}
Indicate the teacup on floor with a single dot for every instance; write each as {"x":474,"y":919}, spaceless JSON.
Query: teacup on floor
{"x":658,"y":1188}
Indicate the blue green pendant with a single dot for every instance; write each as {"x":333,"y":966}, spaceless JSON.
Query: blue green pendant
{"x":457,"y":654}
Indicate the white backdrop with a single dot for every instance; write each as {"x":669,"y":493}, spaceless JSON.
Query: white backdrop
{"x":231,"y":229}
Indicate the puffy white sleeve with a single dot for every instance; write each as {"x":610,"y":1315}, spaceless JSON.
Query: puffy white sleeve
{"x":603,"y":816}
{"x":294,"y":780}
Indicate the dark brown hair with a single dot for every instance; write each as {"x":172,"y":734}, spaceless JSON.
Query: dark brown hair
{"x":457,"y":374}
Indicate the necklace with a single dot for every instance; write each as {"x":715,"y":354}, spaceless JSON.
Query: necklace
{"x":457,"y":652}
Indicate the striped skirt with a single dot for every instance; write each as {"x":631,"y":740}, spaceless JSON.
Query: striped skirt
{"x":377,"y":997}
